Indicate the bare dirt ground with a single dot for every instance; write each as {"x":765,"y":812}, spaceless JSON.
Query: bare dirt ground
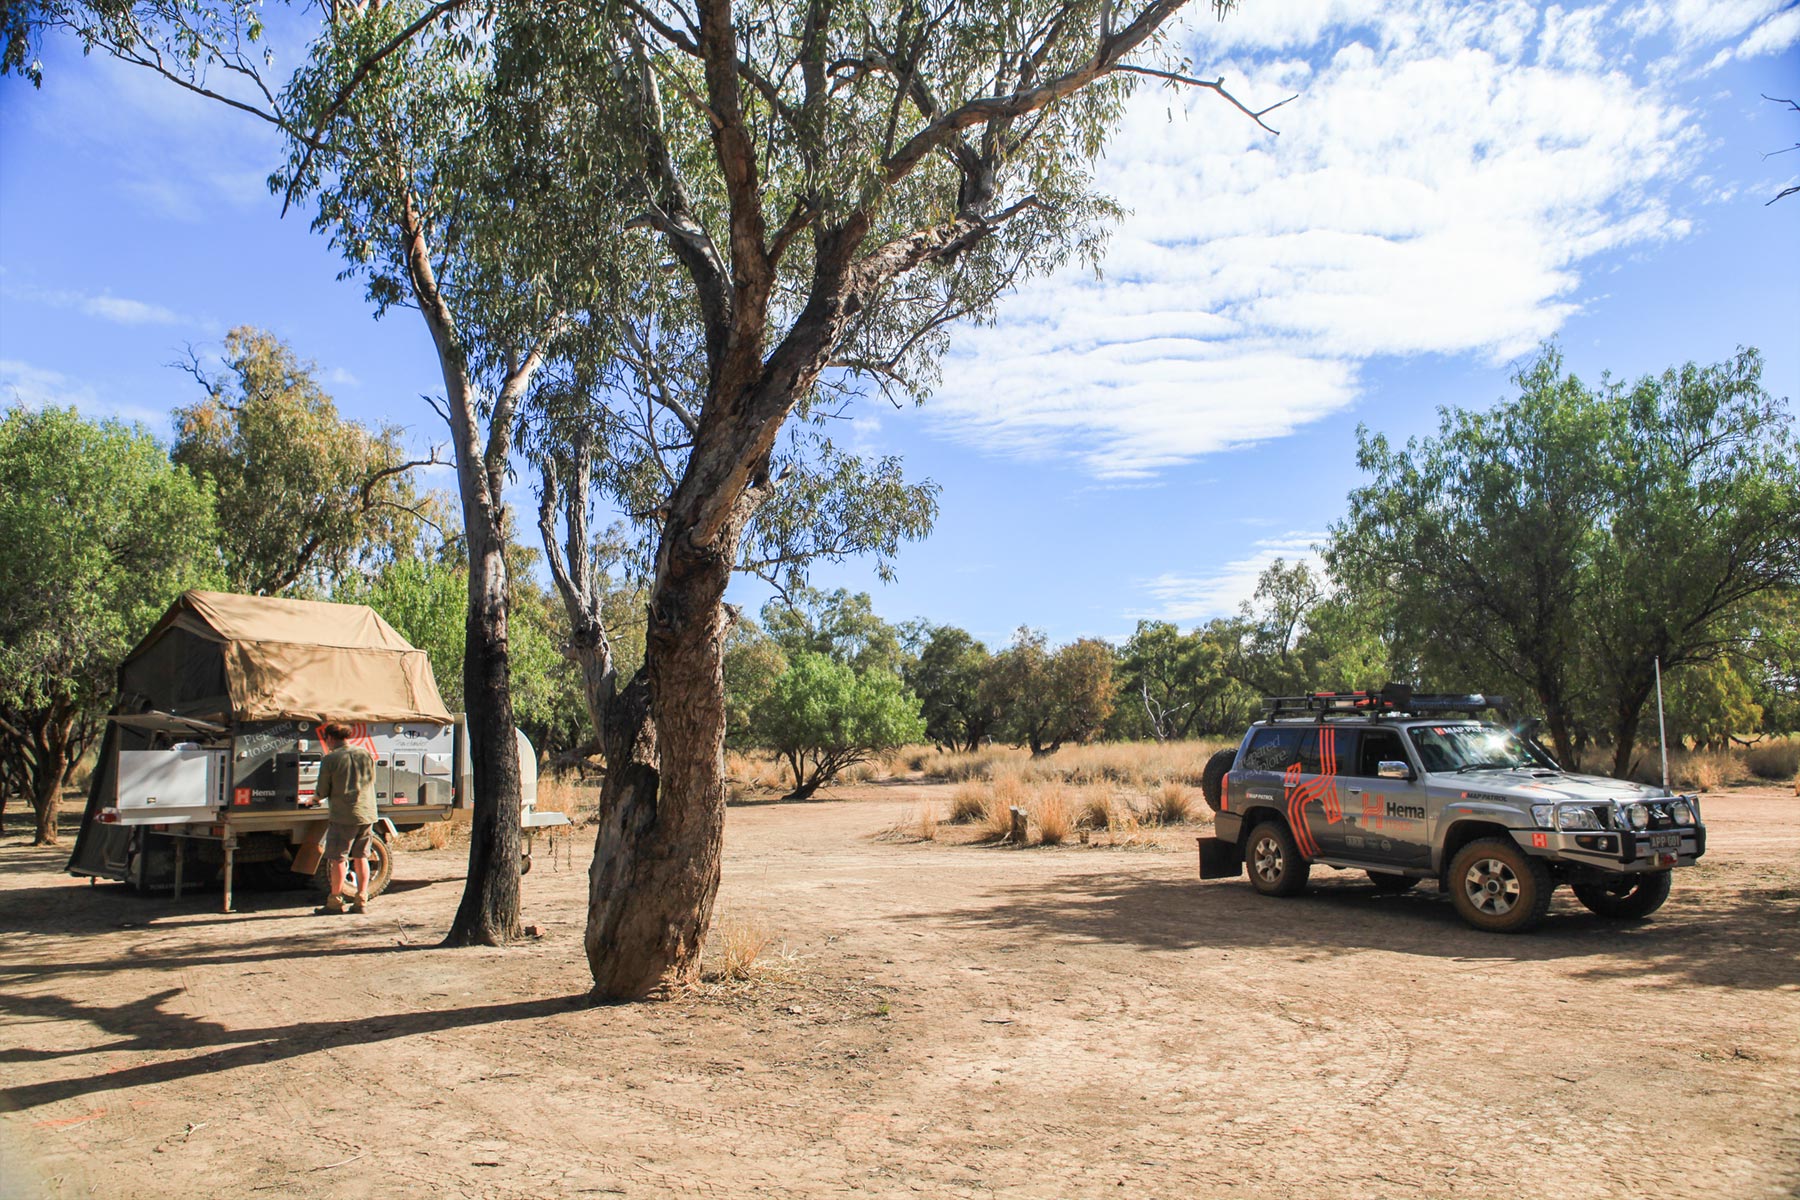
{"x":949,"y":1020}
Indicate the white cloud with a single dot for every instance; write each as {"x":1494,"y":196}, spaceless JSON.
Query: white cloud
{"x":1187,"y":599}
{"x":339,"y":377}
{"x":1438,"y":189}
{"x":120,"y":310}
{"x":40,"y":387}
{"x":128,"y":312}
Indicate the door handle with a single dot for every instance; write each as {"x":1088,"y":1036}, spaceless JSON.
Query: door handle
{"x":1355,"y":791}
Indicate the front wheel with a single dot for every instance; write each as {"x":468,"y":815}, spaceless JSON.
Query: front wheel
{"x":1627,"y":897}
{"x":1499,"y":888}
{"x":1276,"y":868}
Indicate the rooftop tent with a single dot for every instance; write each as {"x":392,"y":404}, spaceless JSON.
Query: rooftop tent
{"x":233,"y":658}
{"x":216,"y":660}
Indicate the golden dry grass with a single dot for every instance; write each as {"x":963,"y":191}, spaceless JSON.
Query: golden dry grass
{"x":1171,"y":804}
{"x":968,"y":804}
{"x":735,"y":946}
{"x":1053,"y":815}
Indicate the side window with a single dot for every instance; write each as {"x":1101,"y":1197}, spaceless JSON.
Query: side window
{"x":1272,"y":750}
{"x":1328,"y":750}
{"x":1379,"y":746}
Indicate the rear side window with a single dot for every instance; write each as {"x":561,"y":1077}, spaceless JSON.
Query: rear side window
{"x":1327,"y":750}
{"x":1272,"y":750}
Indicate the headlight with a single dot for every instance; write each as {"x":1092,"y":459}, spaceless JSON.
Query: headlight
{"x":1638,"y":815}
{"x":1683,"y":811}
{"x":1573,"y":816}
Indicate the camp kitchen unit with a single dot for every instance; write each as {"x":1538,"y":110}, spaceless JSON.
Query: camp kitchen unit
{"x":210,"y":762}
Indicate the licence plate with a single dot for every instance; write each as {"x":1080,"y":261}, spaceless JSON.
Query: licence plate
{"x":1665,"y":841}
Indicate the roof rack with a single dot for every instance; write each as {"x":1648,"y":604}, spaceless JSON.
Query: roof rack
{"x":1392,"y":700}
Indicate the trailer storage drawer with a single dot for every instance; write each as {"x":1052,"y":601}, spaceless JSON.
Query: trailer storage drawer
{"x":170,"y":787}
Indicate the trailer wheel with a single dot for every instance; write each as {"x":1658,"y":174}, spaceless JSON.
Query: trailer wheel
{"x":381,"y":868}
{"x":524,"y":864}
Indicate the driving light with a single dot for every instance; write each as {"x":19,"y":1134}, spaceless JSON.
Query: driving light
{"x":1638,"y":815}
{"x":1542,"y":815}
{"x":1574,"y":816}
{"x":1684,"y":812}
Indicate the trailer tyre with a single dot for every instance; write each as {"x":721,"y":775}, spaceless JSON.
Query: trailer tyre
{"x":381,"y":868}
{"x":1212,"y":778}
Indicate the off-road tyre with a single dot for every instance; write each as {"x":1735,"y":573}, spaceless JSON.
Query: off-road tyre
{"x":1629,"y":898}
{"x":1274,"y":862}
{"x":381,"y":868}
{"x":1390,"y":884}
{"x":1498,"y":888}
{"x":1212,"y":778}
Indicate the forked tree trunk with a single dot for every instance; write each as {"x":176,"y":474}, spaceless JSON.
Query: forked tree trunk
{"x":662,"y":814}
{"x":489,"y":912}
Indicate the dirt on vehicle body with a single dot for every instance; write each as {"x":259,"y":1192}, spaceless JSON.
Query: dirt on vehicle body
{"x":926,"y":1018}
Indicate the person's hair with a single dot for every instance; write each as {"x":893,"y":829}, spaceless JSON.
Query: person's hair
{"x":337,"y":731}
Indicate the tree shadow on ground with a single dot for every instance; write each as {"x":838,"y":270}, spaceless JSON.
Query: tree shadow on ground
{"x":1745,"y":938}
{"x":145,"y":1025}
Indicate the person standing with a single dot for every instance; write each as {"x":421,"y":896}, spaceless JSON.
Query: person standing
{"x":347,"y":781}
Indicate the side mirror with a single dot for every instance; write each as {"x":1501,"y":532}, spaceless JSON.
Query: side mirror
{"x":1394,"y":770}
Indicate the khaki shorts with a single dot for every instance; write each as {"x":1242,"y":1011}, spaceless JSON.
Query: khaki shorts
{"x":348,"y":841}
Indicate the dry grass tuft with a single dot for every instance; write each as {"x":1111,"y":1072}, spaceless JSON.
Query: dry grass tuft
{"x":437,"y":835}
{"x":1095,"y":808}
{"x":1171,"y":804}
{"x":968,"y":804}
{"x":1054,"y":815}
{"x":996,"y":818}
{"x":738,"y":942}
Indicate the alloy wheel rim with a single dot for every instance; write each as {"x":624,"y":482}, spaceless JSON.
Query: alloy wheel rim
{"x":1268,"y":858}
{"x":1492,"y":887}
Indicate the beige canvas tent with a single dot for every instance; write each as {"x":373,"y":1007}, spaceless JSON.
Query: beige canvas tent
{"x":226,"y":658}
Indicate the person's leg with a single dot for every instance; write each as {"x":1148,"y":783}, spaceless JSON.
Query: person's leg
{"x":362,"y":881}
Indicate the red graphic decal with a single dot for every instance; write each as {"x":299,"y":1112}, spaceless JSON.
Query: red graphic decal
{"x":240,"y":796}
{"x":359,"y":736}
{"x":1540,"y":841}
{"x":1322,"y":788}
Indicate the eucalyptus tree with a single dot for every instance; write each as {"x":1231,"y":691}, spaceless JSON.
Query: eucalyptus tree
{"x":384,"y":121}
{"x":835,"y":186}
{"x":303,"y":496}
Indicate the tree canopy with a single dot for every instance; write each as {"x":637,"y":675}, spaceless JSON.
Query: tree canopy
{"x":102,"y":533}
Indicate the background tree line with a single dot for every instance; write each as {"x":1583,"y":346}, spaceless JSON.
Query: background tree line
{"x":1552,"y":546}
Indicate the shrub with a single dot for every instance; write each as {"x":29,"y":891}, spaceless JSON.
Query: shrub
{"x":1777,"y":760}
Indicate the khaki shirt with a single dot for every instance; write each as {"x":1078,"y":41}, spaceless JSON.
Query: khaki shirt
{"x":347,"y":780}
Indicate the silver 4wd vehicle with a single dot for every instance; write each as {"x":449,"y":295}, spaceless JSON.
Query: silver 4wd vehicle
{"x":1409,"y":787}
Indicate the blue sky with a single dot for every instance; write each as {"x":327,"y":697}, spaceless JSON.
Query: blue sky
{"x":1452,"y":186}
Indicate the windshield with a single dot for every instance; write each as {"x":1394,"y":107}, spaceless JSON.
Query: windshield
{"x":1471,"y":747}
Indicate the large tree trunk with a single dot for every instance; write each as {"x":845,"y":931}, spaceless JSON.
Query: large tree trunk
{"x":46,"y":760}
{"x":46,"y":798}
{"x":489,"y":912}
{"x":662,"y":814}
{"x":1626,"y":713}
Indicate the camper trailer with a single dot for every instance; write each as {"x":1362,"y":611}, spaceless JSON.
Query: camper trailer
{"x":210,"y":759}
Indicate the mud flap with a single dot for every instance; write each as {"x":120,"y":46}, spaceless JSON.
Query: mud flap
{"x":311,"y":848}
{"x":1219,"y":859}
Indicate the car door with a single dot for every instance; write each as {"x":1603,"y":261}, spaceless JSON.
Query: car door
{"x":1385,"y":818}
{"x":1315,"y":790}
